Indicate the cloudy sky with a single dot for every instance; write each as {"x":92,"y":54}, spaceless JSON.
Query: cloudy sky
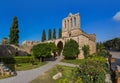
{"x":101,"y":17}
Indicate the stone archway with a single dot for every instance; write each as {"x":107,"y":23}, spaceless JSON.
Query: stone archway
{"x":60,"y":47}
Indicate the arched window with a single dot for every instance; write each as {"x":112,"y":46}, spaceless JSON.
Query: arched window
{"x":68,"y":24}
{"x":65,"y":23}
{"x":75,"y":21}
{"x":71,"y":22}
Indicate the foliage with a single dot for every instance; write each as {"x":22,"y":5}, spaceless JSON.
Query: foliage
{"x":41,"y":50}
{"x":117,"y":74}
{"x":86,"y":50}
{"x":113,"y":44}
{"x":43,"y":36}
{"x":90,"y":71}
{"x":59,"y":68}
{"x":54,"y":33}
{"x":49,"y":34}
{"x":14,"y":32}
{"x":65,"y":80}
{"x":60,"y":33}
{"x":28,"y":66}
{"x":71,"y":49}
{"x":18,"y":59}
{"x":5,"y":40}
{"x":101,"y":51}
{"x":53,"y":47}
{"x":94,"y":58}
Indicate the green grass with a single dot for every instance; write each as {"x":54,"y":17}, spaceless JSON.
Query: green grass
{"x":78,"y":61}
{"x":47,"y":76}
{"x":28,"y":66}
{"x":25,"y":66}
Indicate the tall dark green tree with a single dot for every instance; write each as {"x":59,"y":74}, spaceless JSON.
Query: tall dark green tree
{"x":43,"y":36}
{"x":49,"y":34}
{"x":60,"y":33}
{"x":54,"y":34}
{"x":14,"y":32}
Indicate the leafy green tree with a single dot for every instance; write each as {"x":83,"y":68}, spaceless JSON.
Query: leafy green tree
{"x":54,"y":33}
{"x":71,"y":49}
{"x":86,"y":50}
{"x":5,"y":40}
{"x":49,"y":34}
{"x":113,"y":44}
{"x":43,"y":36}
{"x":41,"y":51}
{"x":53,"y":47}
{"x":14,"y":32}
{"x":101,"y":51}
{"x":60,"y":33}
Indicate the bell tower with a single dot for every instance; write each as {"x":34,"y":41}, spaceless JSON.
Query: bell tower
{"x":70,"y":23}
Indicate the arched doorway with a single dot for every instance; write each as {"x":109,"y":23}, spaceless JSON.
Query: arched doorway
{"x":60,"y":47}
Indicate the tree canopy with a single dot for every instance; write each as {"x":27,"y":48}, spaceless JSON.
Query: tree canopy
{"x":14,"y":32}
{"x":54,"y":33}
{"x":101,"y":51}
{"x":60,"y":33}
{"x":49,"y":34}
{"x":71,"y":49}
{"x":43,"y":36}
{"x":53,"y":47}
{"x":113,"y":44}
{"x":41,"y":50}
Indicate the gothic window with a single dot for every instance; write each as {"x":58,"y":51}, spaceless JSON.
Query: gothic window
{"x":75,"y":21}
{"x":65,"y":23}
{"x":68,"y":24}
{"x":71,"y":22}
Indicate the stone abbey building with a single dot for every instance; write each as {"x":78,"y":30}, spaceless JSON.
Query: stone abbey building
{"x":70,"y":30}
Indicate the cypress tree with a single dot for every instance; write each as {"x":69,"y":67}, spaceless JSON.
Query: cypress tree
{"x":43,"y":36}
{"x":60,"y":33}
{"x":54,"y":34}
{"x":14,"y":32}
{"x":49,"y":34}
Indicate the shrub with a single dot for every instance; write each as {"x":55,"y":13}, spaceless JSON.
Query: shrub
{"x":71,"y":49}
{"x":18,"y":59}
{"x":90,"y":71}
{"x":86,"y":50}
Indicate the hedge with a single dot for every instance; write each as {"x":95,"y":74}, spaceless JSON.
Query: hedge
{"x":18,"y":59}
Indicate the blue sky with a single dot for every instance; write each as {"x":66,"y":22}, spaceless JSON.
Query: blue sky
{"x":101,"y":17}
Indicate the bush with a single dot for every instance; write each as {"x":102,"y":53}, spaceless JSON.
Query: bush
{"x":86,"y":50}
{"x":18,"y":59}
{"x":71,"y":49}
{"x":91,"y":71}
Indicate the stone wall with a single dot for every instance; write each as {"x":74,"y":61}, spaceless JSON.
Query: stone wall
{"x":71,"y":30}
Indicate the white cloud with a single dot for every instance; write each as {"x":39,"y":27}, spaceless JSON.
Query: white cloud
{"x":116,"y":17}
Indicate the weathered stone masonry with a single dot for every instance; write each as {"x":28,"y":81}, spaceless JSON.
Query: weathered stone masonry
{"x":71,"y":30}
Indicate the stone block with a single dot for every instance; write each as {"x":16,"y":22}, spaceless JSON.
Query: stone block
{"x":57,"y":76}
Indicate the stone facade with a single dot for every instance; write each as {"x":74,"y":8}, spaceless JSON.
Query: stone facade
{"x":71,"y":30}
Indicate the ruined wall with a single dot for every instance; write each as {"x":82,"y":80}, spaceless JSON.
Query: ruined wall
{"x":71,"y":30}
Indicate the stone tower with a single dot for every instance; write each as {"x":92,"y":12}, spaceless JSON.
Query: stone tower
{"x":71,"y":25}
{"x":71,"y":30}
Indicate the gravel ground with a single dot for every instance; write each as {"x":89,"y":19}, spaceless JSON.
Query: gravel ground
{"x":27,"y":76}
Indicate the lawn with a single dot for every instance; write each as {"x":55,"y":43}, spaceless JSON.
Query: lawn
{"x":78,"y":61}
{"x":25,"y":66}
{"x":47,"y":76}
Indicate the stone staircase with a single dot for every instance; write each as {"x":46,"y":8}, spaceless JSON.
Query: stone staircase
{"x":4,"y":70}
